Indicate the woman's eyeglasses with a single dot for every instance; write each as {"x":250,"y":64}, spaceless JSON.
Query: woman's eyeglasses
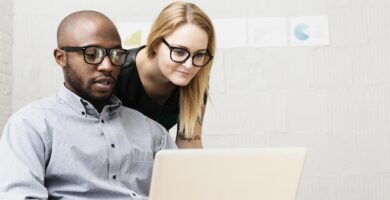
{"x":181,"y":55}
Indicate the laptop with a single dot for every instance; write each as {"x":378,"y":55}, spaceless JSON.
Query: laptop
{"x":227,"y":174}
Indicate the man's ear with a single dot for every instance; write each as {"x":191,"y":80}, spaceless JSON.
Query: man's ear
{"x":60,"y":57}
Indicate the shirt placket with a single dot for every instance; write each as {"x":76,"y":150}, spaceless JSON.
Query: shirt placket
{"x":114,"y":157}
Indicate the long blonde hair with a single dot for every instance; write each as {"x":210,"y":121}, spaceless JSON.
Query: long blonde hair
{"x":192,"y":95}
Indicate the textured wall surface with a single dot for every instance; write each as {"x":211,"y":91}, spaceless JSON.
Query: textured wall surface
{"x":334,"y":100}
{"x":6,"y":31}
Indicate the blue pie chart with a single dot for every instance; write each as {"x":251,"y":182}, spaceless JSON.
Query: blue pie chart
{"x":299,"y":32}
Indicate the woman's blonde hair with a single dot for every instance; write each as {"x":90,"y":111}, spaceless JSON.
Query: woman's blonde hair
{"x":192,"y":95}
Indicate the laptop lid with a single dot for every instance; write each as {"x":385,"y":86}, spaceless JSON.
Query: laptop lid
{"x":227,"y":174}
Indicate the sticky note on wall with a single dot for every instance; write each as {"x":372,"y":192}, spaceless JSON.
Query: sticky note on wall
{"x":267,"y":32}
{"x":133,"y":34}
{"x":231,"y":32}
{"x":309,"y":31}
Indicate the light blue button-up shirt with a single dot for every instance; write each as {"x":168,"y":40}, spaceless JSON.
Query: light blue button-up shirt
{"x":62,"y":148}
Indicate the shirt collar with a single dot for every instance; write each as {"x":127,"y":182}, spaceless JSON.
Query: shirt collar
{"x":83,"y":106}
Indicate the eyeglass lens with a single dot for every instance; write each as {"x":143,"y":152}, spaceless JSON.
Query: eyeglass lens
{"x":95,"y":55}
{"x":181,"y":55}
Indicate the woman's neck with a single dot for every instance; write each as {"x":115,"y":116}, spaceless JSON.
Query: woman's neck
{"x":156,"y":85}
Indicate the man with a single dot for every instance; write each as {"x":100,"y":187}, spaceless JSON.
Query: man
{"x":81,"y":143}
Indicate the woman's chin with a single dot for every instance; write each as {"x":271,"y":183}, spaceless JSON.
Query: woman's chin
{"x":180,"y":82}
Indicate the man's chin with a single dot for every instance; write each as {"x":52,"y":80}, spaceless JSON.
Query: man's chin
{"x":102,"y":97}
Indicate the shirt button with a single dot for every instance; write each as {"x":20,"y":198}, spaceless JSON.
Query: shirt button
{"x":133,"y":193}
{"x":114,"y":176}
{"x":102,"y":121}
{"x":113,"y":145}
{"x":83,"y":113}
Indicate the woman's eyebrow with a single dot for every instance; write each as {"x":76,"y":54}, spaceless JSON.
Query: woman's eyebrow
{"x":184,"y":47}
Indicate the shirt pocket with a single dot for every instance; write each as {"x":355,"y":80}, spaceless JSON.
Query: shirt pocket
{"x":139,"y":156}
{"x":140,"y":162}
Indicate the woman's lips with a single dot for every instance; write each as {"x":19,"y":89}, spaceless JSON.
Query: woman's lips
{"x":184,"y":72}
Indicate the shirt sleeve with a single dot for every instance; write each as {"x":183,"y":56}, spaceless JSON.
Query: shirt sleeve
{"x":162,"y":139}
{"x":22,"y":168}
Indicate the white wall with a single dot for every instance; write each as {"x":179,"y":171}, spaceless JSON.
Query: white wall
{"x":334,"y":100}
{"x":6,"y":23}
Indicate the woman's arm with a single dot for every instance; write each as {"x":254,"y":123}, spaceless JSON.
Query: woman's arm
{"x":194,"y":142}
{"x":191,"y":143}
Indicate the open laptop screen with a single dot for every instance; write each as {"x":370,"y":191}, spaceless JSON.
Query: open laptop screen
{"x":227,"y":174}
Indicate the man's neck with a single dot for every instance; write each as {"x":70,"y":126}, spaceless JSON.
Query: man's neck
{"x":98,"y":107}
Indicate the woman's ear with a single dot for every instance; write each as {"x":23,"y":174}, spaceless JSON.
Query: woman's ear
{"x":59,"y":56}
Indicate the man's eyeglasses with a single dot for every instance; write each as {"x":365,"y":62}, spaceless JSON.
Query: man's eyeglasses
{"x":181,"y":55}
{"x":95,"y":55}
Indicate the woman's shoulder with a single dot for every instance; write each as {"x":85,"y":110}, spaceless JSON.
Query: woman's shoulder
{"x":129,"y":69}
{"x":130,"y":62}
{"x":128,"y":79}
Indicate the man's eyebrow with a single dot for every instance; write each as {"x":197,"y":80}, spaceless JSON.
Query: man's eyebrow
{"x":97,"y":45}
{"x":118,"y":46}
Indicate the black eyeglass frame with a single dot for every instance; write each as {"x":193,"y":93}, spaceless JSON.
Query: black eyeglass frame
{"x":106,"y":51}
{"x":171,"y":48}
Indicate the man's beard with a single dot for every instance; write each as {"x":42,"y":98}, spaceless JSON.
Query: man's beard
{"x":83,"y":91}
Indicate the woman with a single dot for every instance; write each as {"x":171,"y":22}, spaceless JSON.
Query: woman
{"x":167,"y":80}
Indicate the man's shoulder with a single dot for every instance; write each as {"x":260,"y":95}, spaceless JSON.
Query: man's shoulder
{"x":32,"y":116}
{"x":37,"y":107}
{"x":138,"y":117}
{"x":135,"y":120}
{"x":126,"y":111}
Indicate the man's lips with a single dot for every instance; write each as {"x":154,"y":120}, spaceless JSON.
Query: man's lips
{"x":105,"y":81}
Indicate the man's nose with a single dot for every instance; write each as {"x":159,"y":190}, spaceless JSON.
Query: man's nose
{"x":105,"y":65}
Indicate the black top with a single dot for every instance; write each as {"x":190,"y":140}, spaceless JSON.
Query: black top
{"x":130,"y":91}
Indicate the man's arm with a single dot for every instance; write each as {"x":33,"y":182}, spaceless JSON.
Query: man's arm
{"x":22,"y":155}
{"x":162,"y":139}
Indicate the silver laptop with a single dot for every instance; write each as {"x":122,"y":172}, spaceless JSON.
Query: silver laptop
{"x":227,"y":174}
